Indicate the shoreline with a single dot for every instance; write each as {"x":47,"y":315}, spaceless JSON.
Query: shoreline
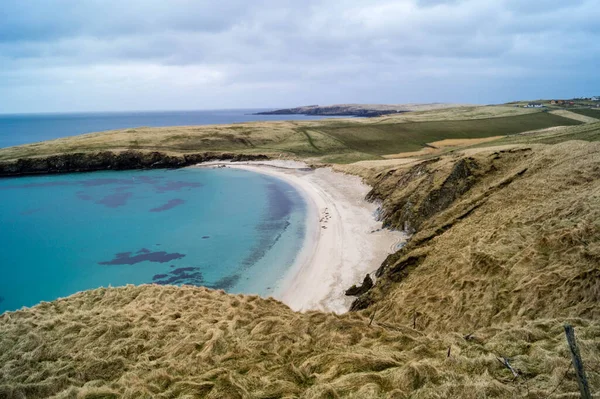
{"x":343,"y":241}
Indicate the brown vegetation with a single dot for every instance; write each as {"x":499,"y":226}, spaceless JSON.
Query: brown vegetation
{"x":191,"y":342}
{"x":506,"y":249}
{"x":503,"y":236}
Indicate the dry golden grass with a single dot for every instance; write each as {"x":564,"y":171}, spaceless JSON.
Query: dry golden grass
{"x":460,"y":113}
{"x":463,"y":142}
{"x":369,"y":169}
{"x":442,"y":146}
{"x":572,"y":115}
{"x":413,"y":154}
{"x":191,"y":342}
{"x":272,"y":137}
{"x":503,"y":236}
{"x":553,"y":135}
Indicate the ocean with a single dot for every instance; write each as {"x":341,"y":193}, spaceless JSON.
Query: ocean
{"x":20,"y":129}
{"x":222,"y":228}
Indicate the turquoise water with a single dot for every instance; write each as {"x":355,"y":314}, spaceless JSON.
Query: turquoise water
{"x":222,"y":228}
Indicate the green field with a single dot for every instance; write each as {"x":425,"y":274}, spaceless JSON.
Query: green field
{"x":382,"y":139}
{"x":585,"y":132}
{"x":329,"y":141}
{"x":592,"y":113}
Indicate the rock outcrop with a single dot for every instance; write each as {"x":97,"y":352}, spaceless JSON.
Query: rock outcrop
{"x":359,"y":290}
{"x":107,"y":160}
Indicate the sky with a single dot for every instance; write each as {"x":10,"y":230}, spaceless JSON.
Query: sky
{"x":111,"y":55}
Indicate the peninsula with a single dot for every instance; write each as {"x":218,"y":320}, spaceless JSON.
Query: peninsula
{"x":362,"y":110}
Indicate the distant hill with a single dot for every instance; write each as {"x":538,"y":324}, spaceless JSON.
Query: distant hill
{"x":364,"y":110}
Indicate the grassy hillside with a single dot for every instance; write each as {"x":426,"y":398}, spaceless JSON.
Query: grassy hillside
{"x":341,"y":141}
{"x":390,"y":138}
{"x":501,"y":236}
{"x":591,"y":112}
{"x":368,"y":169}
{"x":459,"y":113}
{"x":506,"y":249}
{"x":588,"y":132}
{"x":191,"y":342}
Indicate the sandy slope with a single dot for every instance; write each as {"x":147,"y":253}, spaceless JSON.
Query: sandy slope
{"x":343,"y":240}
{"x":572,"y":115}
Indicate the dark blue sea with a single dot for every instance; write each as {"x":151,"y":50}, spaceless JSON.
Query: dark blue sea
{"x":30,"y":128}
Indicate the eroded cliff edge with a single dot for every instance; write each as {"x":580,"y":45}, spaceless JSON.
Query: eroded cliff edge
{"x":500,"y":236}
{"x":108,"y":160}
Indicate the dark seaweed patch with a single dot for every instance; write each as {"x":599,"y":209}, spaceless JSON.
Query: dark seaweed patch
{"x":150,"y":179}
{"x":276,"y":222}
{"x":176,"y":186}
{"x":121,"y":195}
{"x":226,"y":283}
{"x":100,"y":182}
{"x":115,"y":200}
{"x":84,"y":183}
{"x":83,"y":196}
{"x":169,"y":205}
{"x":125,"y":258}
{"x":183,"y":275}
{"x":269,"y":231}
{"x":31,"y":185}
{"x":300,"y":232}
{"x":182,"y":270}
{"x":108,"y":181}
{"x":280,"y":204}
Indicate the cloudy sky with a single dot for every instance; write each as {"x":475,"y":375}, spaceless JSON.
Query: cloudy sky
{"x":102,"y":55}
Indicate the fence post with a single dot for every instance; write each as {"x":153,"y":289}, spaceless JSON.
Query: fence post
{"x":584,"y":388}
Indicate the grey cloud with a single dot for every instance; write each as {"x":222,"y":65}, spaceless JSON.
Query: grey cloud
{"x":345,"y":50}
{"x":173,"y":32}
{"x":40,"y":20}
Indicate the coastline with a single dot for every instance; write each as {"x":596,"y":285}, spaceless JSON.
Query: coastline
{"x":343,"y":241}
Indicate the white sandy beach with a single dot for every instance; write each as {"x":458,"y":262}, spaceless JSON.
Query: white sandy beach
{"x":343,"y":241}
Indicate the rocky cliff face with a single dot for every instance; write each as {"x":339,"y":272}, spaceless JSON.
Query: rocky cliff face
{"x":410,"y":197}
{"x":107,"y":160}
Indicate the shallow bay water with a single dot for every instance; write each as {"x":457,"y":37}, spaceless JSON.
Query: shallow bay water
{"x":221,"y":228}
